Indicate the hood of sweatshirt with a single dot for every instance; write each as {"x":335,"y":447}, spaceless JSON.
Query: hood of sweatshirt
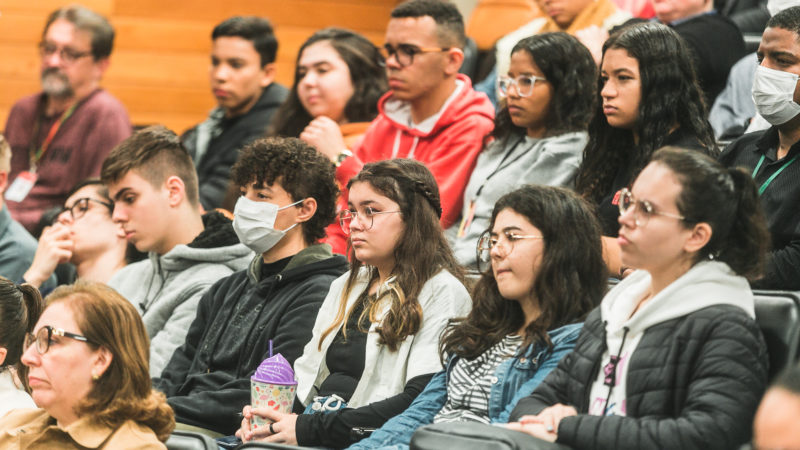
{"x":706,"y":284}
{"x":217,"y":243}
{"x":300,"y":264}
{"x":464,"y":101}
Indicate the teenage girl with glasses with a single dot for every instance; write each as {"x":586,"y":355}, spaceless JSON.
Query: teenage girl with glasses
{"x":539,"y":133}
{"x":541,"y":283}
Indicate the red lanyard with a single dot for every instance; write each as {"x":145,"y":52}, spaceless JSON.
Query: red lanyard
{"x":37,"y":156}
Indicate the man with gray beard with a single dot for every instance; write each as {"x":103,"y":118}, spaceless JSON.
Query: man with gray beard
{"x":61,"y":135}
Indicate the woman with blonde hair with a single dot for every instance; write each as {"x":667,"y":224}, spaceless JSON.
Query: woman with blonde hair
{"x":89,"y":375}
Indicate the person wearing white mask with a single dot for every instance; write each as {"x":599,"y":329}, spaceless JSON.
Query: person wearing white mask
{"x":771,"y":155}
{"x":289,"y":194}
{"x":733,"y":112}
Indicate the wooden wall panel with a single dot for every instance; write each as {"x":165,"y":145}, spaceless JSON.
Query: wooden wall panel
{"x":159,"y":68}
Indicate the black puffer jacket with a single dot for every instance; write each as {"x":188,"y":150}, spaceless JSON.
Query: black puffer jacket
{"x":207,"y":380}
{"x":693,"y":383}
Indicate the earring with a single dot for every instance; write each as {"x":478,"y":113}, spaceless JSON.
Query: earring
{"x":95,"y":376}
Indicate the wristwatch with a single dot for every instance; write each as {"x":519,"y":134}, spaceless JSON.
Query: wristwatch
{"x":344,"y":154}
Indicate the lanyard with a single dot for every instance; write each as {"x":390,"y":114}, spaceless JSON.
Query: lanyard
{"x":772,"y":177}
{"x":501,"y":165}
{"x":36,"y":156}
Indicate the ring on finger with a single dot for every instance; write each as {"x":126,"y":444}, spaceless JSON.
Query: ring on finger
{"x":271,"y":430}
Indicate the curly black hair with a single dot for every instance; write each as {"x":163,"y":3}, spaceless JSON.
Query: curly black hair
{"x":670,"y":99}
{"x":571,"y":71}
{"x":299,"y":169}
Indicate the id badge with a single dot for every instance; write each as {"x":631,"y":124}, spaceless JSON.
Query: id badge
{"x":21,"y":186}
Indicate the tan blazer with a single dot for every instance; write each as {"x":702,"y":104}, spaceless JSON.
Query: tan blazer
{"x":35,"y":429}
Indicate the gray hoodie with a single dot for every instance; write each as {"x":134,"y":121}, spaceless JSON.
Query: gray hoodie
{"x":166,"y":289}
{"x":505,"y":165}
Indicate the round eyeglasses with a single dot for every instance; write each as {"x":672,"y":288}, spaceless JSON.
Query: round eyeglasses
{"x":81,"y":205}
{"x":642,"y":209}
{"x":503,"y":243}
{"x":45,"y":334}
{"x":523,"y":83}
{"x":365,"y":219}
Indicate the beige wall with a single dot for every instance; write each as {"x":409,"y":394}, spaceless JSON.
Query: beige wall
{"x":160,"y":60}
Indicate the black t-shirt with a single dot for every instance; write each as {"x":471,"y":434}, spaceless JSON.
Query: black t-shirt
{"x":345,"y":357}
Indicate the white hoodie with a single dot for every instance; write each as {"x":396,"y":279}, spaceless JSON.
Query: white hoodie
{"x":706,"y":284}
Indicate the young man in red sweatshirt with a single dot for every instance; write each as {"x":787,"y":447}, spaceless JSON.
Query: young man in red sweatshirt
{"x":430,"y":114}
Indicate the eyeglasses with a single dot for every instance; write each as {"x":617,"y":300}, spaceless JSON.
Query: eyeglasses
{"x":81,"y":205}
{"x":66,"y":54}
{"x":365,"y":219}
{"x":44,"y":336}
{"x":404,"y":53}
{"x":642,"y":209}
{"x":523,"y":83}
{"x":504,"y":243}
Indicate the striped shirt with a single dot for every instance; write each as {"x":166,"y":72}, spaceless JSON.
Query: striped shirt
{"x":471,"y":381}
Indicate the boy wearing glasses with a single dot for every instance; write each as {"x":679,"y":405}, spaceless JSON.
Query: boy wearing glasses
{"x":61,"y":135}
{"x":288,"y":199}
{"x":430,"y":114}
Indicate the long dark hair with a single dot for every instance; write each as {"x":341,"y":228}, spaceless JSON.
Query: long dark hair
{"x":367,"y":74}
{"x":670,"y":96}
{"x":20,"y":308}
{"x":571,"y":71}
{"x":571,"y":280}
{"x":725,"y":199}
{"x":421,"y":252}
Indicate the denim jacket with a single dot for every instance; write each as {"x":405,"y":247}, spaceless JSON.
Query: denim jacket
{"x":514,"y":379}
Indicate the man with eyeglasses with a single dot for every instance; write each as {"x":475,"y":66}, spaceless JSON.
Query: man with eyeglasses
{"x":431,"y":113}
{"x":61,"y":135}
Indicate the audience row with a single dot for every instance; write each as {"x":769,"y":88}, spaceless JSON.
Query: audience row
{"x":436,"y":186}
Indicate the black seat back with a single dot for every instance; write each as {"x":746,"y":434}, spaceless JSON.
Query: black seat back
{"x":189,"y":440}
{"x":778,"y":316}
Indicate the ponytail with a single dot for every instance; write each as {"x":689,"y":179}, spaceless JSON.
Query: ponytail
{"x":745,"y":247}
{"x":20,"y":308}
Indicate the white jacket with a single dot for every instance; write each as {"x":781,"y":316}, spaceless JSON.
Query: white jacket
{"x":386,"y":373}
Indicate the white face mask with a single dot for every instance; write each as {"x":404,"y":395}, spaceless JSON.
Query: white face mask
{"x":776,"y":6}
{"x":773,"y":94}
{"x":254,"y":223}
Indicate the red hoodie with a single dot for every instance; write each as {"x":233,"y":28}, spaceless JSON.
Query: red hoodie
{"x":448,"y":147}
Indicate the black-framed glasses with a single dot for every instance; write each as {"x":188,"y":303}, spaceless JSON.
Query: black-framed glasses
{"x":642,"y":209}
{"x":523,"y":83}
{"x":503,"y":243}
{"x":68,"y":55}
{"x":44,"y":336}
{"x":365,"y":219}
{"x":81,"y":205}
{"x":404,"y":53}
